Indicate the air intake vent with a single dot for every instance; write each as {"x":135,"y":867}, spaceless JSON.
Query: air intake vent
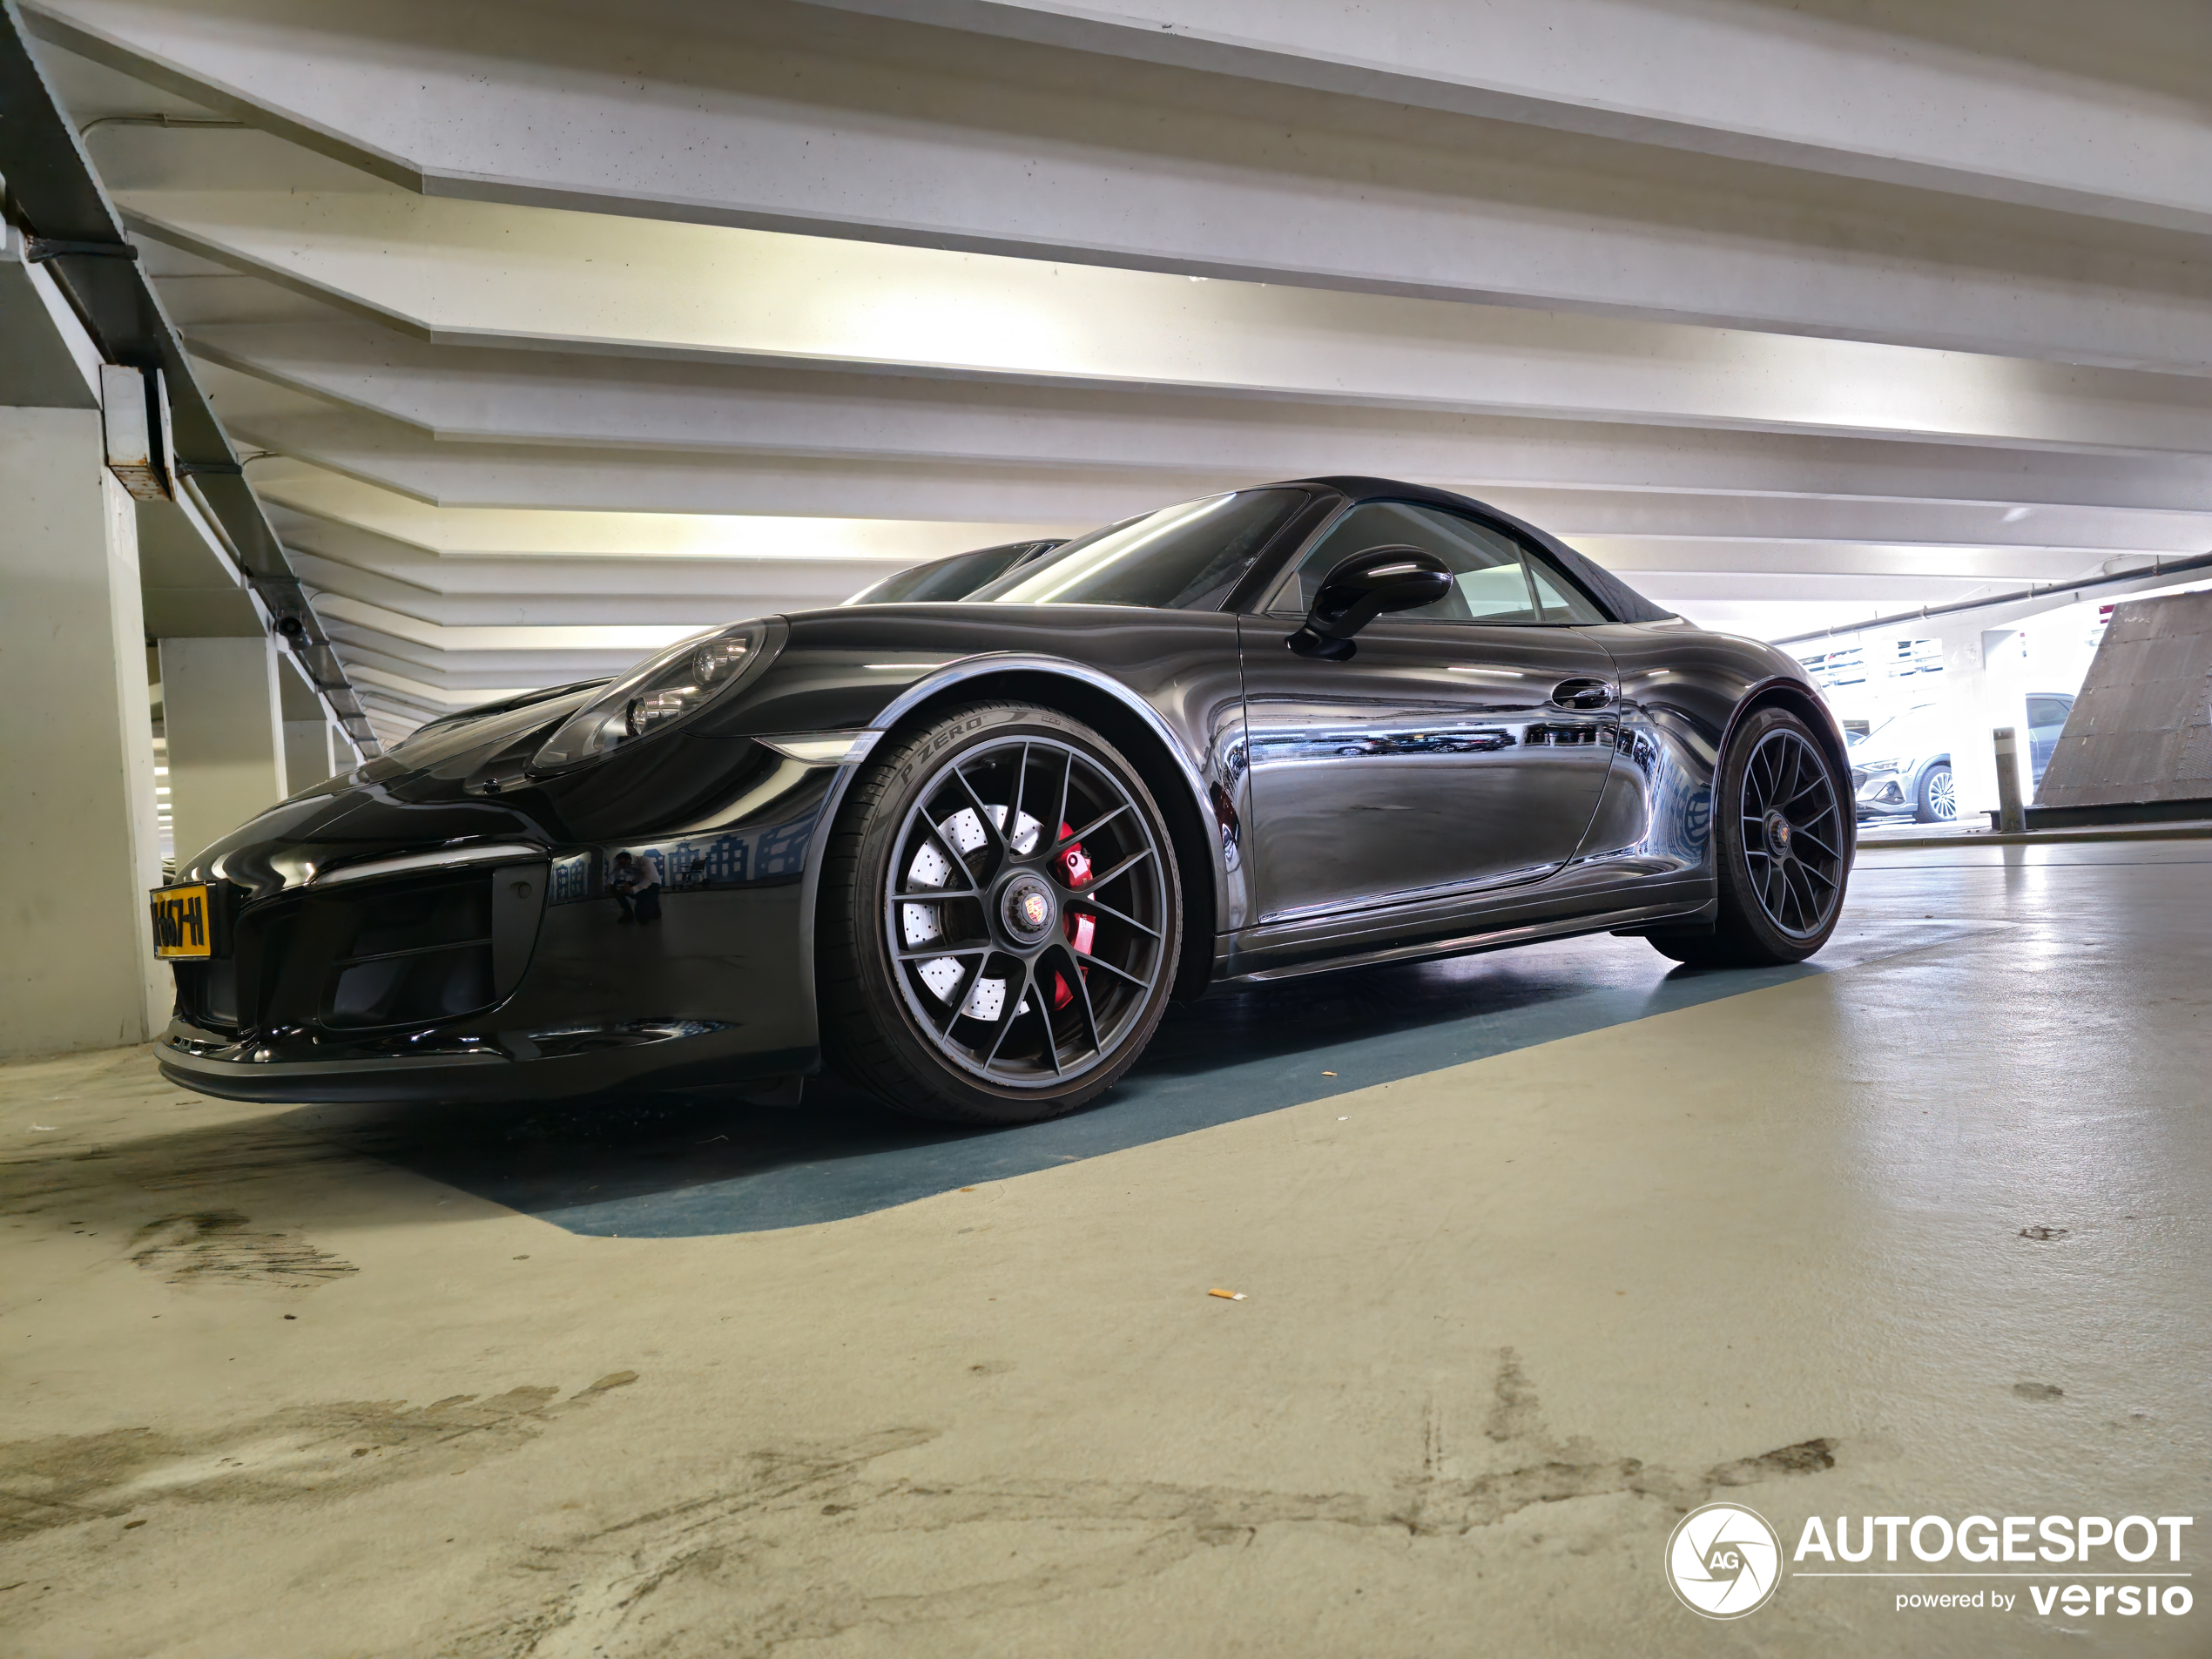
{"x":418,"y":988}
{"x":417,"y":955}
{"x":413,"y":950}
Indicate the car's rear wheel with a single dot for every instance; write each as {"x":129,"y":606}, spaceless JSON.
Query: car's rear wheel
{"x":1936,"y":800}
{"x":1000,"y":917}
{"x":1779,"y":848}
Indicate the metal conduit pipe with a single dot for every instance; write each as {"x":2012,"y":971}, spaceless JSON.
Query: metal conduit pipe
{"x":52,"y":192}
{"x":2159,"y":571}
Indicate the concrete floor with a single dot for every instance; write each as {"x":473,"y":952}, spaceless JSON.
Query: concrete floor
{"x":273,"y":1389}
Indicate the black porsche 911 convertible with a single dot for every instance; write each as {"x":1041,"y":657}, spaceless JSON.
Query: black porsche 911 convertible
{"x":965,"y":851}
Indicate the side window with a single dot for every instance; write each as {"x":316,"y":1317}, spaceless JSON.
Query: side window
{"x":1563,"y":601}
{"x":2046,"y":710}
{"x":1494,"y":579}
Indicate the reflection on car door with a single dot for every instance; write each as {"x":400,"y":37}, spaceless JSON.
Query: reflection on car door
{"x":1447,"y":753}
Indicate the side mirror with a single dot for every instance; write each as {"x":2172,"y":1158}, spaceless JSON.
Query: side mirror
{"x":1362,"y":587}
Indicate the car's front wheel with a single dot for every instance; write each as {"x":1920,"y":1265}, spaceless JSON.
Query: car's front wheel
{"x":1000,"y":916}
{"x":1937,"y":798}
{"x":1779,"y":848}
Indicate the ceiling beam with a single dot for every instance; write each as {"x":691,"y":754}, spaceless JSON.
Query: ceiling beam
{"x":487,"y":396}
{"x":474,"y":273}
{"x":1270,"y":155}
{"x":2094,"y":111}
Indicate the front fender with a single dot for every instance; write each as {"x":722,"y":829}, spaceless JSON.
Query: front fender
{"x":978,"y":674}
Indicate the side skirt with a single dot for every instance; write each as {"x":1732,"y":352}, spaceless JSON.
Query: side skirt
{"x":1703,"y":919}
{"x":1641,"y":919}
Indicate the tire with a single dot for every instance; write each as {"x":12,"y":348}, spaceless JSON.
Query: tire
{"x":975,"y":968}
{"x":1781,"y":889}
{"x":1936,"y":800}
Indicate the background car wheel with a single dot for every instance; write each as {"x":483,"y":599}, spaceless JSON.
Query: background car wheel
{"x":1937,"y":798}
{"x":1000,"y":917}
{"x":1779,"y":846}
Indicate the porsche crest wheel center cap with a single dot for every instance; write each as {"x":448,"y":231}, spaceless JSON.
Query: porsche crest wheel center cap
{"x":1777,"y":834}
{"x":1027,"y":908}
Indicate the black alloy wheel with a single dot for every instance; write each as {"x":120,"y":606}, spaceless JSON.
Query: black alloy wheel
{"x":1781,"y":849}
{"x":1000,"y":917}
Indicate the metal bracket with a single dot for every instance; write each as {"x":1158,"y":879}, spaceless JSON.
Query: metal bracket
{"x":36,"y":250}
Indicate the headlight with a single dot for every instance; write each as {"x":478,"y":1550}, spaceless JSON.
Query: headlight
{"x":664,"y":691}
{"x":1880,"y":767}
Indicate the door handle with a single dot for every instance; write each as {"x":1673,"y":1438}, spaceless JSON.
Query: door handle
{"x":1584,"y":694}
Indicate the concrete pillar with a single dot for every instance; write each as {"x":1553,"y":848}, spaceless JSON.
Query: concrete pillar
{"x":1984,"y":688}
{"x":2004,"y":655}
{"x":308,"y":754}
{"x":76,"y":815}
{"x":226,"y":732}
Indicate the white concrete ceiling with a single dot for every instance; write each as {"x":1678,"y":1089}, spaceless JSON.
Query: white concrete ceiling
{"x":565,"y":329}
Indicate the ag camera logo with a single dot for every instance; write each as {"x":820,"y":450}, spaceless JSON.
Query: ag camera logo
{"x":1723,"y":1560}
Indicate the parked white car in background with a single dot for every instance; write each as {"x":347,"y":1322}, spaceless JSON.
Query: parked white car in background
{"x":1902,"y":768}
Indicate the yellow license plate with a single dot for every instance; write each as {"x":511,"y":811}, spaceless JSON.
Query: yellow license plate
{"x":182,"y":926}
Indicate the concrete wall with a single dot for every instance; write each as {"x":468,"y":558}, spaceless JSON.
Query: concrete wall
{"x":2141,"y":729}
{"x":308,"y":757}
{"x":226,"y":730}
{"x":77,"y":818}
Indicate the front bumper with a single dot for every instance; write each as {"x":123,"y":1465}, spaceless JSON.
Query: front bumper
{"x":463,"y":1067}
{"x":1883,"y":794}
{"x":522,"y":978}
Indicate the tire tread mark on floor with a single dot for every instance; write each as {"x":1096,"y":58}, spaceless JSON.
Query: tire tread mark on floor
{"x":768,"y":1561}
{"x":221,"y":1245}
{"x":333,"y":1447}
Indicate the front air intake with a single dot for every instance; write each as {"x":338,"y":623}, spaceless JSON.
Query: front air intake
{"x":416,"y":954}
{"x":418,"y":950}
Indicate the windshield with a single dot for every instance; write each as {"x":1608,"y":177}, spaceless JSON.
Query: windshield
{"x":1181,"y":559}
{"x":952,"y":578}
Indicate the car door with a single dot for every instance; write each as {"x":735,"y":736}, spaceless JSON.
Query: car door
{"x":2046,"y":712}
{"x":1461,"y":746}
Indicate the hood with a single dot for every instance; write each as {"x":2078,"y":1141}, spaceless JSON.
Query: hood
{"x":464,"y":780}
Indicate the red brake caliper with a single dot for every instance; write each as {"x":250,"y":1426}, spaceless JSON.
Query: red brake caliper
{"x":1075,"y":869}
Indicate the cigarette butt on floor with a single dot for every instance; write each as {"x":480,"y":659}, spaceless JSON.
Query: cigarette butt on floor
{"x":1228,"y":1295}
{"x":1328,"y":1074}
